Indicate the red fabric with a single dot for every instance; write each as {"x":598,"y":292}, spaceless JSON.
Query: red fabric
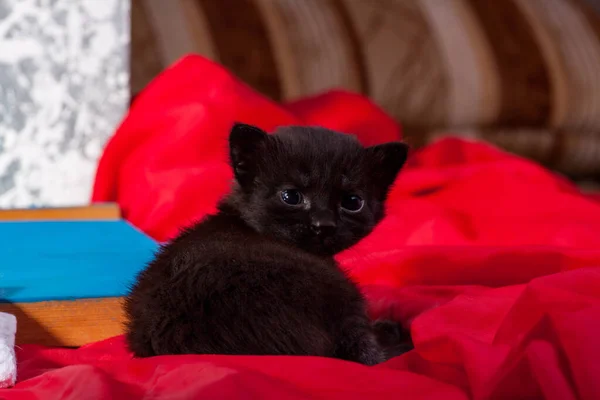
{"x":489,"y":258}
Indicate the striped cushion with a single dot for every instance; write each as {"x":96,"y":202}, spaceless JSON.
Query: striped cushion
{"x":432,"y":64}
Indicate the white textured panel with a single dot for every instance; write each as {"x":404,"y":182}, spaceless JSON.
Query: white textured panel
{"x":64,"y":76}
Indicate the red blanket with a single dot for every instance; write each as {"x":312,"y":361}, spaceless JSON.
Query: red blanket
{"x":489,"y":258}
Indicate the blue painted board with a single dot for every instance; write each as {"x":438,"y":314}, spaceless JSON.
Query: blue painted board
{"x":66,"y":260}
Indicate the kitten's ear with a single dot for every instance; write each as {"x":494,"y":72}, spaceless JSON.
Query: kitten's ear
{"x":385,"y":161}
{"x":244,"y":141}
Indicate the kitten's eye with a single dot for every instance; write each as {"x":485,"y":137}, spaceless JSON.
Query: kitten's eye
{"x":291,"y":197}
{"x":352,"y":203}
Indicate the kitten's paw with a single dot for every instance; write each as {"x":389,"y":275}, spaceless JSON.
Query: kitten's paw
{"x":392,"y":337}
{"x":372,"y":356}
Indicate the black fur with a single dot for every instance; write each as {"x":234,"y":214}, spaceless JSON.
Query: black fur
{"x":258,"y":277}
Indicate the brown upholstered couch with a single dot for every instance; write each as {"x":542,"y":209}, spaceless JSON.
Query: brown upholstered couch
{"x":524,"y":74}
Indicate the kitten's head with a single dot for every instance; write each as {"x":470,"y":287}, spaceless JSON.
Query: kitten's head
{"x":317,"y":189}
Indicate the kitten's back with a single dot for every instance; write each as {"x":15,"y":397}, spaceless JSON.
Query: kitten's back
{"x":228,"y":290}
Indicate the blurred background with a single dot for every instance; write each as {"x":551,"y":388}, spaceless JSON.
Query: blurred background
{"x":521,"y":74}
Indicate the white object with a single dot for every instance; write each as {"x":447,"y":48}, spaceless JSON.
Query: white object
{"x":8,"y":361}
{"x":64,"y":88}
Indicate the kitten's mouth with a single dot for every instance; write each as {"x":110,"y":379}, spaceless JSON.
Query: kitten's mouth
{"x":322,"y":245}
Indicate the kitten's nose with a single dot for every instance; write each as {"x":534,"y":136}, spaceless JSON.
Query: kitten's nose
{"x":322,"y":222}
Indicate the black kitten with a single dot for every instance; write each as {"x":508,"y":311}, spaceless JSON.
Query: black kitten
{"x":259,"y":277}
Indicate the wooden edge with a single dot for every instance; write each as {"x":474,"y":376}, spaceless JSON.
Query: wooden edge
{"x":67,"y":323}
{"x":107,"y":211}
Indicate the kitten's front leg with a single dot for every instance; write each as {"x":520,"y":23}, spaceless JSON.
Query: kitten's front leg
{"x":358,"y":343}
